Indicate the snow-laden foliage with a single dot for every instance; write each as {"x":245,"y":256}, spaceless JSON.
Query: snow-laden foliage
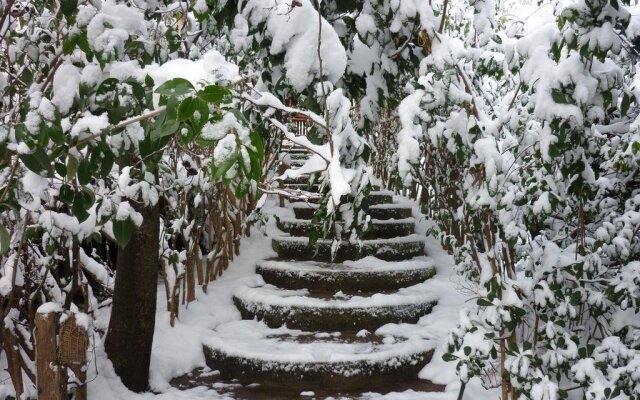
{"x":521,"y":144}
{"x":525,"y":146}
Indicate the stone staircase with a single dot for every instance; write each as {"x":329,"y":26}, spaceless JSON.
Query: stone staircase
{"x":309,"y":322}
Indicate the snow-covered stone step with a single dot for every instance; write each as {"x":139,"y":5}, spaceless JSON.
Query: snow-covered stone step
{"x":299,"y":156}
{"x":378,"y":211}
{"x":383,"y":228}
{"x":301,"y":179}
{"x":298,"y":248}
{"x":368,"y":274}
{"x":297,"y":309}
{"x":374,"y":197}
{"x":296,"y":163}
{"x":250,"y":352}
{"x":303,"y":186}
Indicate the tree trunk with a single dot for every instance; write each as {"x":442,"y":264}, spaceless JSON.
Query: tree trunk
{"x":132,"y":323}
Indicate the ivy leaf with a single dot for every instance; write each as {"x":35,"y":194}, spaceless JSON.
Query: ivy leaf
{"x":5,"y":240}
{"x":122,"y":231}
{"x":38,"y":162}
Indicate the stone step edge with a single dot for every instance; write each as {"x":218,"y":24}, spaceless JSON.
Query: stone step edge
{"x":391,"y":249}
{"x":338,"y":376}
{"x":290,"y":275}
{"x":253,"y":296}
{"x":351,"y":267}
{"x":402,"y":349}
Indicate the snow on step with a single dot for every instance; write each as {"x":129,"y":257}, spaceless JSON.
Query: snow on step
{"x":400,"y":248}
{"x":374,"y":197}
{"x":378,"y":229}
{"x":367,"y":274}
{"x":252,"y":352}
{"x":296,"y":309}
{"x":377,"y":211}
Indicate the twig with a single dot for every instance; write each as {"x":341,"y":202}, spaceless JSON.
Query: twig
{"x":125,"y":123}
{"x":444,"y":15}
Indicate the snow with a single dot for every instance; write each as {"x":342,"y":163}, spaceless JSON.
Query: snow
{"x":294,"y":31}
{"x":66,"y":83}
{"x":267,"y":296}
{"x":253,"y":340}
{"x":50,"y":307}
{"x":211,"y":68}
{"x":112,"y":26}
{"x":365,"y":265}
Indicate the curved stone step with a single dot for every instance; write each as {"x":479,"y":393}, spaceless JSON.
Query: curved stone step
{"x":298,"y":248}
{"x":299,"y":155}
{"x":303,"y":186}
{"x":375,"y":197}
{"x":369,"y":274}
{"x":296,"y":309}
{"x":245,"y":351}
{"x":378,"y":211}
{"x":381,"y":229}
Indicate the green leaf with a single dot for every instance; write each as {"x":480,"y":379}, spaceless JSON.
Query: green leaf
{"x":166,"y":129}
{"x":215,"y":94}
{"x":107,"y":162}
{"x":148,"y":81}
{"x":186,"y":108}
{"x":175,"y":87}
{"x":5,"y":240}
{"x":256,"y":141}
{"x":448,"y":357}
{"x":219,"y":171}
{"x":84,"y":172}
{"x":559,"y":97}
{"x":624,"y":106}
{"x":68,"y":45}
{"x":203,"y":111}
{"x":67,"y":194}
{"x":122,"y":230}
{"x":68,"y":7}
{"x":78,"y":209}
{"x":72,"y":166}
{"x":38,"y":162}
{"x":484,"y":303}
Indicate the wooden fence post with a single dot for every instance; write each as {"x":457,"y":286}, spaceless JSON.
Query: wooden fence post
{"x":49,"y":375}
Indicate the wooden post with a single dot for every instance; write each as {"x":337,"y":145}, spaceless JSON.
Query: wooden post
{"x":13,"y":360}
{"x":49,"y":375}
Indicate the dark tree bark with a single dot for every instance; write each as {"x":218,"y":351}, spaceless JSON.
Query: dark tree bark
{"x":132,"y":323}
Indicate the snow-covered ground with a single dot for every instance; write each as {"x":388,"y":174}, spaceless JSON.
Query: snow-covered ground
{"x":178,"y":350}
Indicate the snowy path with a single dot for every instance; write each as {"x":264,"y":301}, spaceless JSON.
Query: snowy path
{"x":290,"y":293}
